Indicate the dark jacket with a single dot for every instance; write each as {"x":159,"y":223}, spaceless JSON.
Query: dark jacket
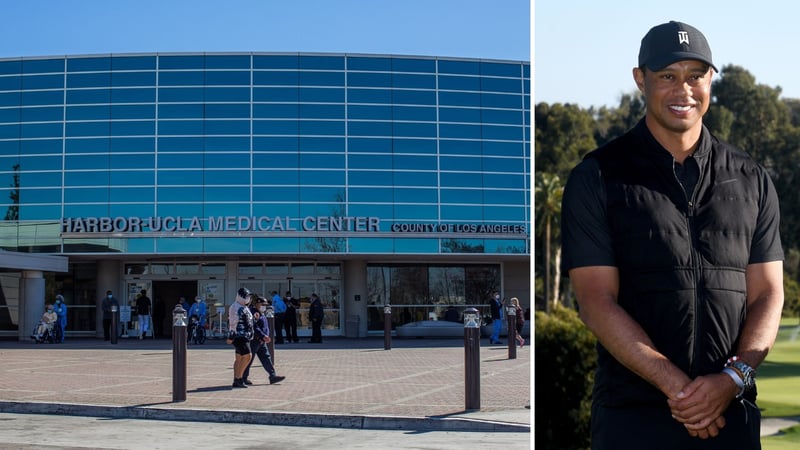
{"x":315,"y":310}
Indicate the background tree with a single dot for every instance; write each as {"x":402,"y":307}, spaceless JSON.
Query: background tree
{"x":548,"y":192}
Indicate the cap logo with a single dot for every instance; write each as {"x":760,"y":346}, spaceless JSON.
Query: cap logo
{"x":683,"y":37}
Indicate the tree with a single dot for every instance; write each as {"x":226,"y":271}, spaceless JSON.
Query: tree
{"x":548,"y":192}
{"x":564,"y":133}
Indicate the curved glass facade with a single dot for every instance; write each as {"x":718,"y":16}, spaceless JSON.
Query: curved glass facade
{"x":250,"y":154}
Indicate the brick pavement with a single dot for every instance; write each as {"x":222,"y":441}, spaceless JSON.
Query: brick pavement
{"x":417,"y":381}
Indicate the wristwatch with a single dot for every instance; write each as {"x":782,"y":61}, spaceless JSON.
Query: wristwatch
{"x":747,"y":373}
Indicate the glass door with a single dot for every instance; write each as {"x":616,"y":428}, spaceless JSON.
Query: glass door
{"x":329,"y":292}
{"x":128,"y":317}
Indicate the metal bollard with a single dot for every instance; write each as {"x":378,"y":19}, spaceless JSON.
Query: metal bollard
{"x":178,"y":354}
{"x":270,"y":315}
{"x":114,"y":323}
{"x":511,"y":314}
{"x":472,"y":359}
{"x":387,"y":327}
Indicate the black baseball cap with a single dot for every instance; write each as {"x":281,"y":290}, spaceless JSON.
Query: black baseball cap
{"x":671,"y":42}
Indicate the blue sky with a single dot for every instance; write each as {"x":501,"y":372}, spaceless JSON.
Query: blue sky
{"x":585,"y":50}
{"x":462,"y":28}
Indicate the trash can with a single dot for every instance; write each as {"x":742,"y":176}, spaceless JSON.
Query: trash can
{"x":351,"y":326}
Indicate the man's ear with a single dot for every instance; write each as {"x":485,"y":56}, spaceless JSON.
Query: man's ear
{"x":638,"y":77}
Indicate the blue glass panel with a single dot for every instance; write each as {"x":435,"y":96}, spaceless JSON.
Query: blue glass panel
{"x":276,"y":178}
{"x":180,"y":161}
{"x":9,"y":148}
{"x":320,"y":144}
{"x":11,"y":67}
{"x":182,"y":78}
{"x":179,"y":177}
{"x":76,"y":129}
{"x":321,"y":127}
{"x":460,"y":131}
{"x":86,"y":96}
{"x":415,"y":146}
{"x":369,"y":178}
{"x":501,"y":85}
{"x":284,"y":193}
{"x":227,"y":143}
{"x":194,"y":94}
{"x":332,"y":95}
{"x":227,"y":62}
{"x":227,"y":94}
{"x":180,"y":127}
{"x":321,"y":62}
{"x":40,"y":98}
{"x":274,"y":143}
{"x":133,"y":79}
{"x":228,"y":177}
{"x":415,"y":113}
{"x":274,"y":160}
{"x":415,"y":178}
{"x":461,"y":212}
{"x":320,"y":194}
{"x":228,"y":209}
{"x":181,"y":111}
{"x":321,"y":161}
{"x":415,"y":212}
{"x":415,"y":195}
{"x":369,"y":162}
{"x":414,"y":162}
{"x":505,"y":246}
{"x":182,"y":210}
{"x":413,"y":65}
{"x":227,"y":160}
{"x":42,"y":65}
{"x":370,"y":145}
{"x":39,"y":162}
{"x":88,"y":64}
{"x":321,"y":177}
{"x":461,"y":163}
{"x":502,"y":116}
{"x":385,"y":212}
{"x":471,"y":115}
{"x":276,"y":110}
{"x":133,"y":128}
{"x":225,"y":127}
{"x":276,"y":245}
{"x":505,"y":213}
{"x":459,"y":83}
{"x":42,"y":179}
{"x":369,"y":63}
{"x":134,"y":161}
{"x":86,"y":195}
{"x":320,"y":209}
{"x":370,"y":195}
{"x":130,"y":194}
{"x":275,"y":62}
{"x":222,"y":110}
{"x":44,"y":114}
{"x":133,"y":62}
{"x":80,"y":210}
{"x":275,"y":127}
{"x":86,"y":162}
{"x":357,"y":79}
{"x":40,"y":146}
{"x":501,"y":101}
{"x":228,"y":78}
{"x":83,"y":80}
{"x":136,"y":245}
{"x":504,"y":180}
{"x":10,"y":99}
{"x":451,"y":179}
{"x":39,"y":130}
{"x":180,"y":195}
{"x":511,"y":165}
{"x":277,"y":210}
{"x":414,"y":129}
{"x":86,"y":145}
{"x":133,"y":144}
{"x":321,"y":79}
{"x":321,"y":111}
{"x":226,"y":194}
{"x":277,"y":78}
{"x":43,"y":82}
{"x":504,"y":197}
{"x":501,"y":69}
{"x":413,"y":81}
{"x":369,"y":112}
{"x":88,"y":112}
{"x":369,"y":95}
{"x":9,"y":131}
{"x":134,"y":95}
{"x":179,"y":245}
{"x":86,"y":178}
{"x":133,"y":112}
{"x":461,"y":196}
{"x":453,"y":147}
{"x":180,"y":144}
{"x":10,"y":83}
{"x":370,"y":245}
{"x":181,"y":62}
{"x":459,"y":99}
{"x":502,"y":132}
{"x":363,"y":128}
{"x":459,"y":67}
{"x":275,"y":94}
{"x":410,"y":97}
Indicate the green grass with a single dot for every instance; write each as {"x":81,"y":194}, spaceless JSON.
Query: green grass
{"x":779,"y":385}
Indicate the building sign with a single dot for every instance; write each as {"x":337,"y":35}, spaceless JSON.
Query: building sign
{"x":261,"y":225}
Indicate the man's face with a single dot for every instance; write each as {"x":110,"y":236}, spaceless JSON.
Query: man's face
{"x":677,"y":96}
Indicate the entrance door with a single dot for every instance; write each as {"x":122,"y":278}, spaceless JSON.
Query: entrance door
{"x":170,"y":292}
{"x":128,"y":316}
{"x":329,"y":293}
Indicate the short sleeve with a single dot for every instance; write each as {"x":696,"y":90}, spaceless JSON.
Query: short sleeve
{"x":766,"y":244}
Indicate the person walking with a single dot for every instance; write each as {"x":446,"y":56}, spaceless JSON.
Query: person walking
{"x":671,"y":240}
{"x":316,"y":314}
{"x":143,"y":307}
{"x":519,"y":320}
{"x":240,"y":326}
{"x":290,"y":319}
{"x":496,"y":308}
{"x":258,"y":346}
{"x":60,"y":309}
{"x":108,"y":302}
{"x":279,"y":307}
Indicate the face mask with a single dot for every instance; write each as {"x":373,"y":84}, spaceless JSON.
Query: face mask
{"x":50,"y":309}
{"x":110,"y":296}
{"x":262,"y":309}
{"x":58,"y":301}
{"x":497,"y":297}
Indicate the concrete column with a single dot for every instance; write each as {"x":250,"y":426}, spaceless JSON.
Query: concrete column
{"x":31,"y":304}
{"x":109,"y":277}
{"x":355,"y":285}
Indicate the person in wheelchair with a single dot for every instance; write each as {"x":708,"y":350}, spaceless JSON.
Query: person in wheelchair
{"x":197,"y":321}
{"x":45,"y":330}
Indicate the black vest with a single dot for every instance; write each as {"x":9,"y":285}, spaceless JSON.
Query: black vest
{"x":681,"y":257}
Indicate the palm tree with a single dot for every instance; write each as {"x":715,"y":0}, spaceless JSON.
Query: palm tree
{"x":548,"y":191}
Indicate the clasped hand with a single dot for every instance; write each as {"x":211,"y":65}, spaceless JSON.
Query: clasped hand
{"x":700,"y":404}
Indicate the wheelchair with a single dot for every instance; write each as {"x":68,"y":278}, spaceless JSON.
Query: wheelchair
{"x":197,"y":332}
{"x":46,"y":332}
